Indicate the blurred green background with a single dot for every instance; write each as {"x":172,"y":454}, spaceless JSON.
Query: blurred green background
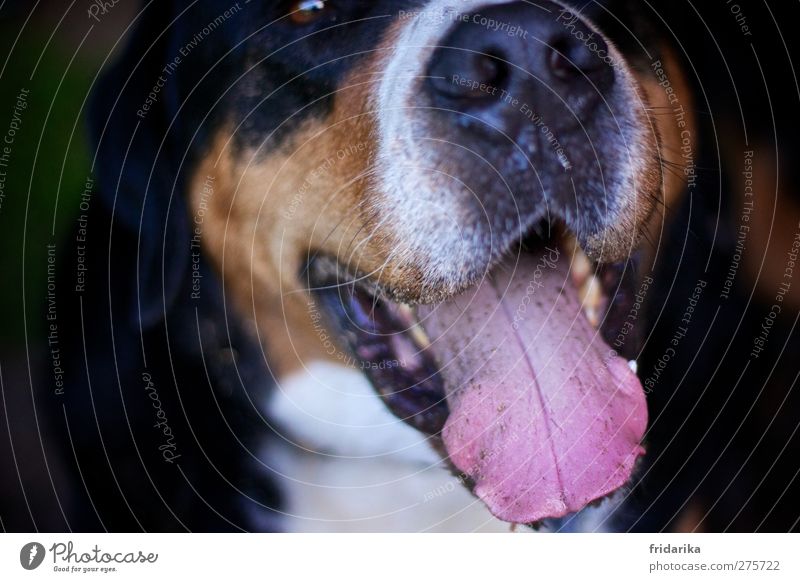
{"x":54,"y":50}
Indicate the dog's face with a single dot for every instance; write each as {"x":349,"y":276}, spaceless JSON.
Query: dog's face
{"x":446,"y":194}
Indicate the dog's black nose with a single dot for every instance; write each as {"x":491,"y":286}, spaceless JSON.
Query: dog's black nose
{"x":503,"y":66}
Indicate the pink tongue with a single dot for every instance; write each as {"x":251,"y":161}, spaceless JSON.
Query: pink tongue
{"x":543,"y":417}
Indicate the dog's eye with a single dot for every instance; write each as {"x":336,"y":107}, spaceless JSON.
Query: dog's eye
{"x":305,"y":12}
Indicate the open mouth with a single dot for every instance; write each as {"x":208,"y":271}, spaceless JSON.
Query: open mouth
{"x":516,"y":374}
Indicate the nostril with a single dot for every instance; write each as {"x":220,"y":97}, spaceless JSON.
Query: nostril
{"x":569,"y":60}
{"x":465,"y":74}
{"x":558,"y":62}
{"x":491,"y":69}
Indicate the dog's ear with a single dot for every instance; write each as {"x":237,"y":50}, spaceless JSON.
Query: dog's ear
{"x":137,"y":160}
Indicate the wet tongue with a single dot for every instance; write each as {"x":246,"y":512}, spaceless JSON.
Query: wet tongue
{"x":543,"y":418}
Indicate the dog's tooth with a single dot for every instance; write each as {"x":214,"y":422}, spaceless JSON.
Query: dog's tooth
{"x":581,"y":267}
{"x":633,"y":365}
{"x":569,"y":243}
{"x":419,"y":336}
{"x":591,"y":315}
{"x":405,"y":313}
{"x":408,"y":316}
{"x":590,"y":294}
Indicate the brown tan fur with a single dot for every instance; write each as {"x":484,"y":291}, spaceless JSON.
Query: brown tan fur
{"x":259,"y":246}
{"x":665,"y":124}
{"x":773,"y":223}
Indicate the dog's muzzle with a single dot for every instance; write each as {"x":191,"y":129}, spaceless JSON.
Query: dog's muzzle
{"x":516,"y":166}
{"x":505,"y":115}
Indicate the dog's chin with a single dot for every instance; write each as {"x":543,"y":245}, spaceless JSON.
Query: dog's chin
{"x":515,"y":376}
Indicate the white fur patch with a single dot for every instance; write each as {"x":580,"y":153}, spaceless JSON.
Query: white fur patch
{"x":348,"y":464}
{"x":330,"y":409}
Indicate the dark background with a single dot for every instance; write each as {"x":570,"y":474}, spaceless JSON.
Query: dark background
{"x":55,"y":50}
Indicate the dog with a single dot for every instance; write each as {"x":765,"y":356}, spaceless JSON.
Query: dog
{"x":385,"y":266}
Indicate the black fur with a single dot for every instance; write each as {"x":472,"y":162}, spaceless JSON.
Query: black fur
{"x":136,"y":315}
